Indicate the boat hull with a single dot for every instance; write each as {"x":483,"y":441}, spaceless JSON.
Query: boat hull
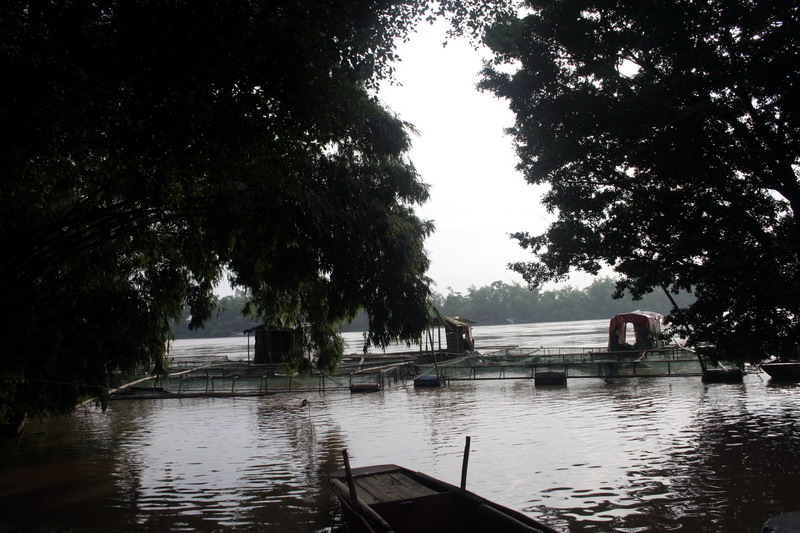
{"x":393,"y":498}
{"x":782,"y":371}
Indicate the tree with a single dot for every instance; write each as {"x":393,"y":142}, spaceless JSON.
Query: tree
{"x":668,"y":133}
{"x":148,"y":147}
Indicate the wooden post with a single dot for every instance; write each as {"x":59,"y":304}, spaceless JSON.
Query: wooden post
{"x":436,"y":366}
{"x":351,"y":485}
{"x":464,"y":466}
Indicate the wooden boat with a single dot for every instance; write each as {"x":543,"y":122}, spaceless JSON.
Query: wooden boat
{"x":782,"y":371}
{"x":390,"y":498}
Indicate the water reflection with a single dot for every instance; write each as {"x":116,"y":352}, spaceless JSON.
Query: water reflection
{"x":643,"y":454}
{"x":252,"y":465}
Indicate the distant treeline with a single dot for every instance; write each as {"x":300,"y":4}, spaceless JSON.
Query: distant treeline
{"x":228,"y":320}
{"x":501,"y":303}
{"x":498,"y":303}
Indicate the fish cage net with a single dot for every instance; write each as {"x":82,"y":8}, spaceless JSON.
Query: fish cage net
{"x":507,"y":365}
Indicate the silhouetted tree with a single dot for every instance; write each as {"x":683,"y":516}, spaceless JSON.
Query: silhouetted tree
{"x":148,"y":147}
{"x":668,"y":133}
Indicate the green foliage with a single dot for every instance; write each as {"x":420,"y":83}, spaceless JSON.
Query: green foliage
{"x":296,"y":362}
{"x":148,"y":147}
{"x":668,"y":133}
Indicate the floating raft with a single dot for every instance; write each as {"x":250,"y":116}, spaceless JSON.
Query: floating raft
{"x":238,"y":378}
{"x":428,"y":380}
{"x":555,"y":365}
{"x":365,"y":387}
{"x":549,"y":378}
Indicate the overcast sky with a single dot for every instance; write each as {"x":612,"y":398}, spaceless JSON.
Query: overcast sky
{"x":462,"y":152}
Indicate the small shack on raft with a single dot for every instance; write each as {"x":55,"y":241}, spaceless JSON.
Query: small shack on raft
{"x":646,"y":330}
{"x":274,"y":343}
{"x":457,"y":332}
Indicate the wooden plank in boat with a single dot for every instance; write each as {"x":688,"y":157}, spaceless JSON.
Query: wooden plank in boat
{"x":391,"y":487}
{"x":364,"y":493}
{"x":382,"y":489}
{"x":404,"y":479}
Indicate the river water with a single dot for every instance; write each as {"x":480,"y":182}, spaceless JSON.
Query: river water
{"x":592,"y":333}
{"x":657,"y":454}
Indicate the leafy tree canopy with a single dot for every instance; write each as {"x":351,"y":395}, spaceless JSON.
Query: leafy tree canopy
{"x":668,"y":133}
{"x":148,"y":147}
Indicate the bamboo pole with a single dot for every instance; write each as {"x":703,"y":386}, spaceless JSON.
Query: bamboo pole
{"x":464,"y":465}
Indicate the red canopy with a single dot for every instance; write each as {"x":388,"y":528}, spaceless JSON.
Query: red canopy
{"x":646,"y":328}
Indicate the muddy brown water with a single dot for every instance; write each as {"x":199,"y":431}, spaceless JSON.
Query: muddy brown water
{"x":657,"y":454}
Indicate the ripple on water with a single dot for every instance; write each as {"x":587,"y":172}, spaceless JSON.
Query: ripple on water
{"x":636,"y":455}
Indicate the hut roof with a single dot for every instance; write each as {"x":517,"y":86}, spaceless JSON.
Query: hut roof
{"x":459,"y":321}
